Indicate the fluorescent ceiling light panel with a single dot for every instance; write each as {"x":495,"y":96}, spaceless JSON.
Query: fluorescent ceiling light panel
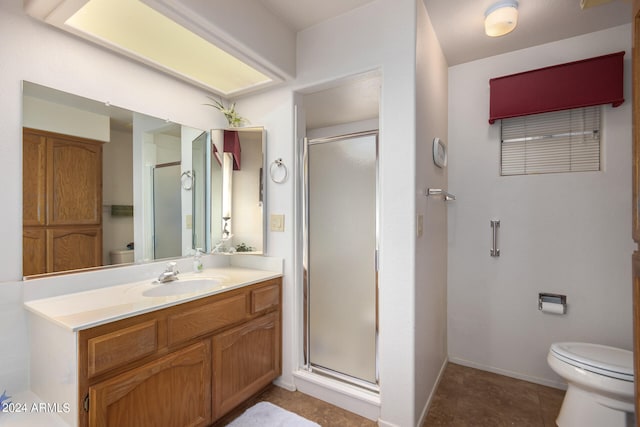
{"x":138,"y":30}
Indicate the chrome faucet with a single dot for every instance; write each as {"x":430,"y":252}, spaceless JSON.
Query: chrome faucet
{"x":169,"y":274}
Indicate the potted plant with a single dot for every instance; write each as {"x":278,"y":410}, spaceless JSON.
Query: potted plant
{"x":230,"y":113}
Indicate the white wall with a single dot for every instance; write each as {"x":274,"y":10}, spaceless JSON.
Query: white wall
{"x":385,"y":40}
{"x":117,"y":189}
{"x":274,"y":111}
{"x":36,"y":52}
{"x":187,"y":135}
{"x":44,"y":115}
{"x":431,"y":247}
{"x":562,"y":233}
{"x":246,"y":210}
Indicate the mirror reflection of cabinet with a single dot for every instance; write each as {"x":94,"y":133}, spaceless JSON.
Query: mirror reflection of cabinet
{"x":133,"y":143}
{"x":62,"y":217}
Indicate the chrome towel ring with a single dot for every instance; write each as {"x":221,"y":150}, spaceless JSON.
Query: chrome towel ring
{"x":278,"y":171}
{"x":187,"y":180}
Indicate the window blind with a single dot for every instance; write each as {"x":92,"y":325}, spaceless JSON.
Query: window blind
{"x":560,"y":141}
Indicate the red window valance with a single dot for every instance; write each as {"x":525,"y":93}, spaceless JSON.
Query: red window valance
{"x":232,"y":145}
{"x":592,"y":81}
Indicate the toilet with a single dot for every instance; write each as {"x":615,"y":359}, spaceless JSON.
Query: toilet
{"x":121,"y":256}
{"x":600,"y":384}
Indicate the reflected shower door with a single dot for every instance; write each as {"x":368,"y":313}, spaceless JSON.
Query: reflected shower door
{"x":167,"y":214}
{"x":200,"y":194}
{"x":341,"y":249}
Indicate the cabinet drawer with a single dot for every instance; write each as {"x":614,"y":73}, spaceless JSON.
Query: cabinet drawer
{"x":120,"y":347}
{"x":264,"y":298}
{"x":206,"y":318}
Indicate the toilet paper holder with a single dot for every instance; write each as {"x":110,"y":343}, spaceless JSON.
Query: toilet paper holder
{"x":553,"y":299}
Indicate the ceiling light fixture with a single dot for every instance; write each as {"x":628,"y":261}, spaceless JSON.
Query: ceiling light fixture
{"x":140,"y":32}
{"x":501,"y":18}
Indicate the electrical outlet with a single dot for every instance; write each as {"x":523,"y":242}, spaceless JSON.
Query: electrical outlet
{"x":276,"y":222}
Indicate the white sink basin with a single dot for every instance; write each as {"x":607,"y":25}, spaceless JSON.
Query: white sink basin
{"x":182,"y":286}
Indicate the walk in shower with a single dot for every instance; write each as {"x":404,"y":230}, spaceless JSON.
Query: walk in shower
{"x":340,"y":257}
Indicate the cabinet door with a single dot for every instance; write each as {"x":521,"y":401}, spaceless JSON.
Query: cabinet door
{"x":34,"y":158}
{"x":73,"y":248}
{"x":245,"y":359}
{"x":74,"y":182}
{"x":34,"y":260}
{"x":173,"y":391}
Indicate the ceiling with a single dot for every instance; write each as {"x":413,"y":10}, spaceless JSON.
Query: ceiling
{"x":459,"y":24}
{"x":459,"y":27}
{"x":302,"y":14}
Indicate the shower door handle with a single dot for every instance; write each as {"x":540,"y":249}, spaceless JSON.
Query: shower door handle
{"x":495,"y":225}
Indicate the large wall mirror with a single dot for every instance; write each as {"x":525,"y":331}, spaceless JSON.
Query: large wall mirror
{"x":103,"y":186}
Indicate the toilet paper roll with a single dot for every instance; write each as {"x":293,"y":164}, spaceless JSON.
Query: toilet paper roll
{"x":550,"y":307}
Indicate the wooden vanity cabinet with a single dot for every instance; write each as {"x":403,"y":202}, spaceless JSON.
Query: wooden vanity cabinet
{"x":245,"y":360}
{"x":185,"y":365}
{"x":174,"y":390}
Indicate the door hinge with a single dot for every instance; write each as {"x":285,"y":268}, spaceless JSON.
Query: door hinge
{"x":85,"y":403}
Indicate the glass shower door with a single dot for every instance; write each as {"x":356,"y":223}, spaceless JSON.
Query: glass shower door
{"x":341,"y":206}
{"x":167,"y":232}
{"x":200,"y":191}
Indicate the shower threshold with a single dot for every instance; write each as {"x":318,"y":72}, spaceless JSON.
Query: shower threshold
{"x":348,"y":379}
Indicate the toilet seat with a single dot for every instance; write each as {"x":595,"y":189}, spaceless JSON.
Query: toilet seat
{"x":600,"y":359}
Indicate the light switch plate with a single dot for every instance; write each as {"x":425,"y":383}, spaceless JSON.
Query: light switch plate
{"x":189,"y":222}
{"x":276,"y":222}
{"x":419,"y":225}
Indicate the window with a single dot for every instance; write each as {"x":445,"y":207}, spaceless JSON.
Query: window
{"x":560,"y":141}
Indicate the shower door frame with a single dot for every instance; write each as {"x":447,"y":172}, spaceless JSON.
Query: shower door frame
{"x":308,"y":365}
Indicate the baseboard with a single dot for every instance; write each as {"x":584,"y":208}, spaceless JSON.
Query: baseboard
{"x":382,"y":423}
{"x":284,"y":384}
{"x":542,"y":381}
{"x":425,"y":410}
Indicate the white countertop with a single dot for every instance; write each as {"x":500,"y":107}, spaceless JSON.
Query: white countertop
{"x":81,"y":310}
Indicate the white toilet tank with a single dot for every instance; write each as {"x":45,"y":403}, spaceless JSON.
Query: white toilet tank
{"x":124,"y":256}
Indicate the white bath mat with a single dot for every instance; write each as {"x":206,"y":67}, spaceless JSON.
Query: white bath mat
{"x":265,"y":414}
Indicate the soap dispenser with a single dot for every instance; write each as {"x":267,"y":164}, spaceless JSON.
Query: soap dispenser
{"x":197,"y":261}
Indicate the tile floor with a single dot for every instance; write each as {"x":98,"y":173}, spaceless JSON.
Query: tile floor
{"x":471,"y":397}
{"x":465,"y":397}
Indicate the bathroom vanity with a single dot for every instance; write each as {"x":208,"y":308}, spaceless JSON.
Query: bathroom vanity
{"x":139,"y":355}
